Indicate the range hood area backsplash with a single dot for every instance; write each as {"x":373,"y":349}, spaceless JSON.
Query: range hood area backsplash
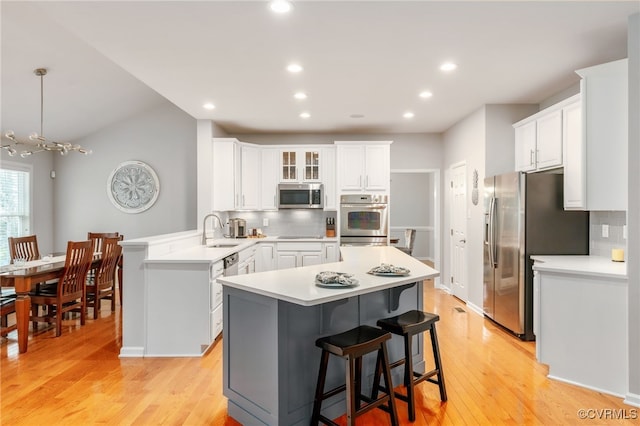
{"x":284,"y":222}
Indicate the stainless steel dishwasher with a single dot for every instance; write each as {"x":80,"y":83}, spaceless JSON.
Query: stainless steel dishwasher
{"x":230,"y":265}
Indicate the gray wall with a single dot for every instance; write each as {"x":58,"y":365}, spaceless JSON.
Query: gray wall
{"x":465,"y":142}
{"x":633,"y":263}
{"x":164,"y":137}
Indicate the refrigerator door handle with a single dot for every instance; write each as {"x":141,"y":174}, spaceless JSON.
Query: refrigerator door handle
{"x":493,"y":256}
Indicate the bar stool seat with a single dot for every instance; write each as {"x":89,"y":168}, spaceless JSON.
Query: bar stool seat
{"x":407,"y":325}
{"x":352,"y":345}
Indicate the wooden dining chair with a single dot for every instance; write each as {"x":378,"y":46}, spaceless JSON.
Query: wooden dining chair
{"x":70,"y":292}
{"x":24,"y":248}
{"x":7,"y":307}
{"x":27,"y":248}
{"x":97,"y":239}
{"x":103,"y":284}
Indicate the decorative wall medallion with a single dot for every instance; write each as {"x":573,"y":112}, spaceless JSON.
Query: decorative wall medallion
{"x":133,"y":187}
{"x":474,"y":192}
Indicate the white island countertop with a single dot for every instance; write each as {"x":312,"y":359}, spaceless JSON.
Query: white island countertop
{"x":297,"y":285}
{"x":586,"y":265}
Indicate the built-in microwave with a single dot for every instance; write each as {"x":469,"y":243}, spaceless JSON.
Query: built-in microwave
{"x":300,"y":196}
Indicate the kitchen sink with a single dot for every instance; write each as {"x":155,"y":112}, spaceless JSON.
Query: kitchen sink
{"x":222,"y":245}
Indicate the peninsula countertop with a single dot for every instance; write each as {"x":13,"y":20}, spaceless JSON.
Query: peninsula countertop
{"x":198,"y":253}
{"x":297,"y":285}
{"x":585,"y":265}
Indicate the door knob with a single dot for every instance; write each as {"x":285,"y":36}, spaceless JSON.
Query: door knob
{"x":463,"y":241}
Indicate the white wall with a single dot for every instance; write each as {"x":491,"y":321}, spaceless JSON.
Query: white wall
{"x":163,"y":137}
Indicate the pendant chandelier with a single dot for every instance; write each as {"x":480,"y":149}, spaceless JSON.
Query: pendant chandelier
{"x":37,"y":142}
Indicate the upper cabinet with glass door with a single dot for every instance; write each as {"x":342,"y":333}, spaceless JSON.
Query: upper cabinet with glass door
{"x":300,"y":165}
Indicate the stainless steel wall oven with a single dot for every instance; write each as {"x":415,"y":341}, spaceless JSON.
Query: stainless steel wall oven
{"x":364,"y":219}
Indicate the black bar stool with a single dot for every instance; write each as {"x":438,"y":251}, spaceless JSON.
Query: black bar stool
{"x":352,"y":345}
{"x":407,"y":325}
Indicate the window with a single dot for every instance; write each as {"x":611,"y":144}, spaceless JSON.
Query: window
{"x":15,"y":202}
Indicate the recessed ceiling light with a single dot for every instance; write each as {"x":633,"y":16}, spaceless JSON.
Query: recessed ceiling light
{"x":448,"y":66}
{"x":208,"y":106}
{"x":300,"y":95}
{"x":357,"y":116}
{"x":408,"y":114}
{"x":294,"y":68}
{"x":280,"y":6}
{"x":426,"y":94}
{"x":305,"y":115}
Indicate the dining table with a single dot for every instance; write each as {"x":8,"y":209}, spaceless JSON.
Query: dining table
{"x":24,"y":278}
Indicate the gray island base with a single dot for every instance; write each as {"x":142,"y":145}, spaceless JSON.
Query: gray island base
{"x":272,"y":320}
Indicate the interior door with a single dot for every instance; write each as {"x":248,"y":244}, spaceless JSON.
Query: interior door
{"x":459,"y":231}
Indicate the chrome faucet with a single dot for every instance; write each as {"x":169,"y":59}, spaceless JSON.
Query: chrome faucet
{"x":204,"y":226}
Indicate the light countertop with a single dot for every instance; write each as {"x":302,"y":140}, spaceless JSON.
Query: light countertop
{"x":205,"y":254}
{"x":297,"y":285}
{"x":587,"y":265}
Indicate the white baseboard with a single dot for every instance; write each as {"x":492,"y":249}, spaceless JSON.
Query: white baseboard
{"x":632,"y":399}
{"x":475,"y":308}
{"x":582,"y":385}
{"x":131,"y":352}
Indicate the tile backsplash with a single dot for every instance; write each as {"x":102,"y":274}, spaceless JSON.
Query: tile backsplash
{"x":601,"y":245}
{"x":285,"y":222}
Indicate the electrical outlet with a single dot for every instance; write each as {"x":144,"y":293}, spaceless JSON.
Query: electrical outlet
{"x":605,"y":231}
{"x":265,"y":221}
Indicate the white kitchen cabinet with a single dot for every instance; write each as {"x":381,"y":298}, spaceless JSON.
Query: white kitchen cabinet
{"x":567,"y":292}
{"x":525,"y":146}
{"x":363,"y":166}
{"x":300,"y":165}
{"x":249,"y":194}
{"x":247,"y":260}
{"x":329,"y":178}
{"x":236,"y":175}
{"x":605,"y":112}
{"x":549,"y":140}
{"x":330,"y":252}
{"x":297,"y":254}
{"x":224,"y":167}
{"x":266,"y":259}
{"x":215,"y":271}
{"x":574,"y":157}
{"x":538,"y":141}
{"x":269,"y":180}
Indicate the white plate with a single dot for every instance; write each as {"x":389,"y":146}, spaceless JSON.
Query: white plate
{"x":337,"y":285}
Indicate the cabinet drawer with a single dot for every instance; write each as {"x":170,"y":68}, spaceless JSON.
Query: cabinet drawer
{"x":216,"y":322}
{"x":216,"y":294}
{"x":300,"y":246}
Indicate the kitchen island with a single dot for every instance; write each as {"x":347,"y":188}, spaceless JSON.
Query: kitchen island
{"x":273,"y":318}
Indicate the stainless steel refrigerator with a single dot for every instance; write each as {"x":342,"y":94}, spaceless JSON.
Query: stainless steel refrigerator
{"x":524,"y":216}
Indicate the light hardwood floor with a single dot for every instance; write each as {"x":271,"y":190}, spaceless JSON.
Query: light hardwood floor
{"x":77,"y":379}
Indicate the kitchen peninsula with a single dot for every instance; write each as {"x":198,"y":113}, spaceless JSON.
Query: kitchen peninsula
{"x":273,"y":318}
{"x":171,"y":297}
